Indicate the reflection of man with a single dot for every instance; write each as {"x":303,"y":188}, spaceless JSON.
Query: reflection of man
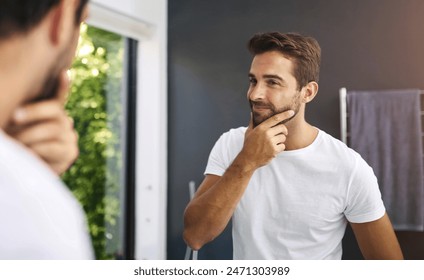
{"x":289,"y":187}
{"x":40,"y":217}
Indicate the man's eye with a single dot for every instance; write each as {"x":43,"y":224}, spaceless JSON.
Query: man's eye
{"x":252,"y":81}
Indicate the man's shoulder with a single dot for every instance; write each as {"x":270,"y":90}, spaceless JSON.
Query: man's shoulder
{"x":16,"y":157}
{"x":22,"y":171}
{"x":337,"y":148}
{"x":36,"y":197}
{"x":231,"y":141}
{"x":333,"y":141}
{"x":234,"y":134}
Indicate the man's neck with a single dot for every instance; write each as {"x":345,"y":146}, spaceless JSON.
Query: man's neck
{"x":20,"y":69}
{"x":300,"y":135}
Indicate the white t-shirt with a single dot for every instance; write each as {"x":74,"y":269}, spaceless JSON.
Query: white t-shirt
{"x":39,"y":216}
{"x":297,"y":206}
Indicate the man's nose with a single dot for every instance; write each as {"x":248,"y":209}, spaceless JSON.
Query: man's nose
{"x":257,"y":92}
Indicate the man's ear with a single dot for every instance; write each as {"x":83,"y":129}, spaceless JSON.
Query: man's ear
{"x":309,"y":92}
{"x":61,"y":21}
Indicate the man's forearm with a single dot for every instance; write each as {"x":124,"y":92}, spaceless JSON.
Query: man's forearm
{"x":209,"y":212}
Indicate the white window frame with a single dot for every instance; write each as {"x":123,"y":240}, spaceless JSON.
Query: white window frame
{"x":151,"y":137}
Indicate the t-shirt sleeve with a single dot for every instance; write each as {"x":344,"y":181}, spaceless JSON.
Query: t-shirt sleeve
{"x":216,"y":162}
{"x":364,"y":203}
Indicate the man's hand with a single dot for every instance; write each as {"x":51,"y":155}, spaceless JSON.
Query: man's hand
{"x":265,"y":141}
{"x":47,"y":130}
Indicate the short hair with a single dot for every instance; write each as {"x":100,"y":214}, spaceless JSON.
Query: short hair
{"x":19,"y":16}
{"x":304,"y":51}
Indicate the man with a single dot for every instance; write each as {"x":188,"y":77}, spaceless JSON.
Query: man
{"x":40,"y":217}
{"x":289,"y":187}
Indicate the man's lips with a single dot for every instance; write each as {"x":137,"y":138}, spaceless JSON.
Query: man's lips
{"x":260,"y":108}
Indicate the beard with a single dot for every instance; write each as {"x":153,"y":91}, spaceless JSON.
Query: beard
{"x":51,"y":83}
{"x":50,"y":87}
{"x":259,"y":118}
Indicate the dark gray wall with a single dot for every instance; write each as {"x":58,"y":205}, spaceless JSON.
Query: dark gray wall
{"x":366,"y":44}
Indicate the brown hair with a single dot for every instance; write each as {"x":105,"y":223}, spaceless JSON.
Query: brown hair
{"x":19,"y":16}
{"x":304,"y":51}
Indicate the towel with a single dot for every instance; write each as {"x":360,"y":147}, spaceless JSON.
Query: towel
{"x":385,"y":128}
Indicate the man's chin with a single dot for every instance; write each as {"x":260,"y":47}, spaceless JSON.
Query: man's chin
{"x":259,"y":118}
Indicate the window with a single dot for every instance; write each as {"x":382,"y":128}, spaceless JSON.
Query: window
{"x":141,"y":222}
{"x":98,"y":105}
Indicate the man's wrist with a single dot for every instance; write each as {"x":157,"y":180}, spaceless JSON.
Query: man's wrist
{"x":243,"y":165}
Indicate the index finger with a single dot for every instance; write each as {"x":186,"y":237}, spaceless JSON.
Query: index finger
{"x":36,"y":112}
{"x":278,"y":118}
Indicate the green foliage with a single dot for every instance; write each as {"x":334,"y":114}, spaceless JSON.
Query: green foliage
{"x":96,"y":107}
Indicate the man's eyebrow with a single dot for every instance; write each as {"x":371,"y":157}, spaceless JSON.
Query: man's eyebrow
{"x":271,"y":76}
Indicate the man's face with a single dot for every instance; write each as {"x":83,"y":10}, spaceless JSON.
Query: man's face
{"x":273,"y":88}
{"x":64,"y":59}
